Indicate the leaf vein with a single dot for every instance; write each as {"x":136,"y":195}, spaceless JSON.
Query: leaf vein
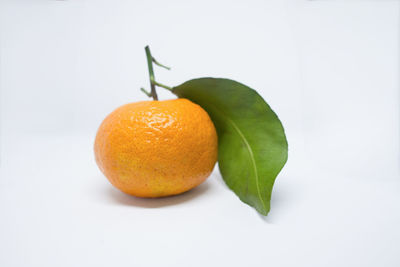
{"x":250,"y":150}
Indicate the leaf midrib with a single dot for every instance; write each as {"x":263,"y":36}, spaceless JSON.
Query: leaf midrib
{"x":249,"y":149}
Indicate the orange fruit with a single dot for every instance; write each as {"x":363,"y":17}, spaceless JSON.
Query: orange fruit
{"x":156,"y":148}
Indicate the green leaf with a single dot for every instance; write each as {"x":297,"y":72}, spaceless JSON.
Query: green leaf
{"x":252,"y":146}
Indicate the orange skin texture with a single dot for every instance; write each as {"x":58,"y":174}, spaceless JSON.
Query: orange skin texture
{"x":157,"y":148}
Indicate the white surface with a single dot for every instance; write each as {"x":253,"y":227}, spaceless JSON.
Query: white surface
{"x":328,"y":68}
{"x":57,"y":209}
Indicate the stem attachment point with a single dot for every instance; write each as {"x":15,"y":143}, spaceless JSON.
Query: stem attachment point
{"x":146,"y":92}
{"x":159,"y":64}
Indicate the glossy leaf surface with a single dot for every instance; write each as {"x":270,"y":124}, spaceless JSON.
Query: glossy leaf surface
{"x":252,"y":146}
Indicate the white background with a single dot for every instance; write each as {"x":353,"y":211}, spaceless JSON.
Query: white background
{"x":330,"y":69}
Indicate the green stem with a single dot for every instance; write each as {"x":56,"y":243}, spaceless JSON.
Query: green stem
{"x":163,"y":86}
{"x":151,"y":73}
{"x":144,"y":91}
{"x":153,"y":83}
{"x":160,"y":65}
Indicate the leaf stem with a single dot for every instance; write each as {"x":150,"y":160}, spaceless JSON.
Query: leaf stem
{"x":163,"y":86}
